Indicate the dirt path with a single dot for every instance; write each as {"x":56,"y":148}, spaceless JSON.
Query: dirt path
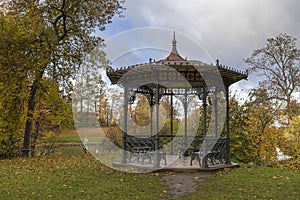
{"x":182,"y":183}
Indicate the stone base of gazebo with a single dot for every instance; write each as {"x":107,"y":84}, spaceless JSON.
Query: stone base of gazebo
{"x":174,"y":164}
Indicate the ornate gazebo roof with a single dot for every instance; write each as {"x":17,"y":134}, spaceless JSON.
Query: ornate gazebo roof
{"x":191,"y":70}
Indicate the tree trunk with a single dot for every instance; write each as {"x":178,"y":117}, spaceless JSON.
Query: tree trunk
{"x":35,"y":137}
{"x":30,"y":112}
{"x":288,"y":105}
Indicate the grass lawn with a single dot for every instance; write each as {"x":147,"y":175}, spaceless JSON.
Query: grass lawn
{"x":73,"y":177}
{"x":82,"y":177}
{"x":72,"y":135}
{"x":69,"y":136}
{"x":250,"y":182}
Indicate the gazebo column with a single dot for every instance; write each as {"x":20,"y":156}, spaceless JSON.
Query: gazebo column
{"x":185,"y":120}
{"x":171,"y":122}
{"x":216,"y":112}
{"x":204,"y":104}
{"x":151,"y":116}
{"x":228,"y":159}
{"x":124,"y":134}
{"x":157,"y":156}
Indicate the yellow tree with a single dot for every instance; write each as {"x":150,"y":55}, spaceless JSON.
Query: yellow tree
{"x":141,"y":113}
{"x":241,"y":146}
{"x":53,"y":113}
{"x":13,"y":81}
{"x":60,"y":34}
{"x":262,"y":127}
{"x":292,"y":138}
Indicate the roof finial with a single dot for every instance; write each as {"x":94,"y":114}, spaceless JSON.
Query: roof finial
{"x":174,"y":40}
{"x":174,"y":48}
{"x":174,"y":56}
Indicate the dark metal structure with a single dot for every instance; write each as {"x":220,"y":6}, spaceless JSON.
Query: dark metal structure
{"x":176,"y":76}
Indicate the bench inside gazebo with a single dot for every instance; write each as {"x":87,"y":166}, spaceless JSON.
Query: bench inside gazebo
{"x":183,"y":79}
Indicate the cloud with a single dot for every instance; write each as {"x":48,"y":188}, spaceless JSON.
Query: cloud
{"x":228,"y":30}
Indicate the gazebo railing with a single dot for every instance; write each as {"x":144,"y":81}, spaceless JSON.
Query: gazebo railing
{"x":212,"y":149}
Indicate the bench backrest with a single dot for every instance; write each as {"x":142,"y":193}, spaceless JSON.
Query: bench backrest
{"x":140,"y":142}
{"x":210,"y":144}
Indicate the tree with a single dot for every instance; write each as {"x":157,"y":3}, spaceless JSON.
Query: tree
{"x":169,"y":112}
{"x":253,"y":128}
{"x":242,"y":149}
{"x":52,"y":114}
{"x":141,"y":113}
{"x":290,"y":145}
{"x":295,"y":108}
{"x":262,"y":129}
{"x":13,"y":44}
{"x":60,"y":35}
{"x":89,"y":84}
{"x":278,"y":61}
{"x":104,"y":113}
{"x":89,"y":96}
{"x":291,"y":140}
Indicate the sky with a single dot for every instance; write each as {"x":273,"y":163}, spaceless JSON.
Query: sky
{"x":206,"y":30}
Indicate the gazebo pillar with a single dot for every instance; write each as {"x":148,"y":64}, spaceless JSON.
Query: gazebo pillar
{"x":204,"y":104}
{"x":204,"y":124}
{"x":185,"y":119}
{"x":124,"y":133}
{"x":157,"y":156}
{"x":228,"y":159}
{"x":171,"y":122}
{"x":151,"y":119}
{"x":216,"y":112}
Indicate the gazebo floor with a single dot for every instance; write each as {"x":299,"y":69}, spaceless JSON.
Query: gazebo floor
{"x":174,"y":164}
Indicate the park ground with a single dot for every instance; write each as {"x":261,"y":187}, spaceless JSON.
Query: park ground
{"x":74,"y":175}
{"x":83,"y":177}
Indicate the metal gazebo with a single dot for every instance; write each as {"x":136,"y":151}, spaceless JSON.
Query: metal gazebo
{"x":177,"y":76}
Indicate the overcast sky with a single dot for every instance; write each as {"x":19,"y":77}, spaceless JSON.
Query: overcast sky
{"x":228,"y":30}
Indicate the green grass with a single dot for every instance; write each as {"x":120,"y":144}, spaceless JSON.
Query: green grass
{"x":72,"y":177}
{"x":69,"y":136}
{"x":251,"y":182}
{"x":82,"y":177}
{"x":74,"y":139}
{"x":72,"y":135}
{"x":69,"y":139}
